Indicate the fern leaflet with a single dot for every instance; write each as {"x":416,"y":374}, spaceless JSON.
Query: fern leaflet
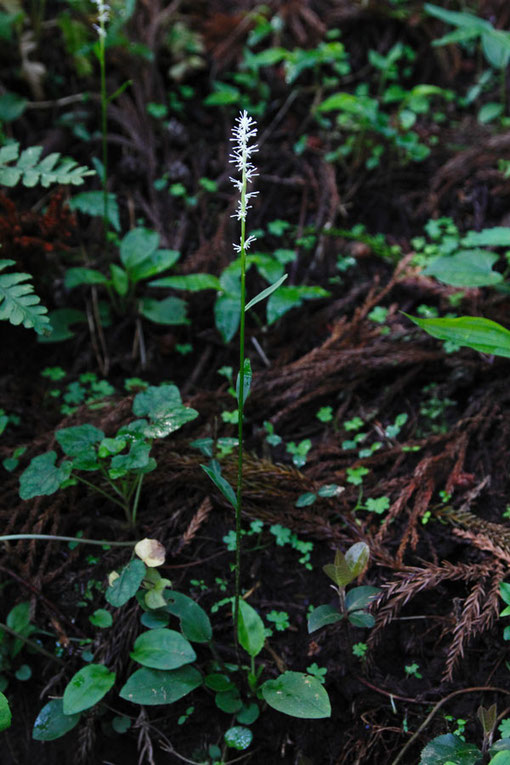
{"x":18,"y":302}
{"x":26,"y":167}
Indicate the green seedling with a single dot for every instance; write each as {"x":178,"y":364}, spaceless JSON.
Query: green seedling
{"x":412,"y":670}
{"x":353,"y":604}
{"x":360,"y":650}
{"x":272,"y":438}
{"x":504,"y":591}
{"x":120,"y":462}
{"x":299,"y":451}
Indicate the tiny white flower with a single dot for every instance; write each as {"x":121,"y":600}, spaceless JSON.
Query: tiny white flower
{"x":248,"y":242}
{"x":242,"y":133}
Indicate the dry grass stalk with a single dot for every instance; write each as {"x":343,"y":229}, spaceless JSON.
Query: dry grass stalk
{"x":196,"y":522}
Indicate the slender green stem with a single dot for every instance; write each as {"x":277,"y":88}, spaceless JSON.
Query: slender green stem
{"x":101,"y":491}
{"x":240,"y":409}
{"x":57,"y":538}
{"x":104,"y":103}
{"x":136,"y":499}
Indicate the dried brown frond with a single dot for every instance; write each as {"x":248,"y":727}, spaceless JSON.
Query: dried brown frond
{"x":198,"y":519}
{"x":412,"y":580}
{"x":479,"y":611}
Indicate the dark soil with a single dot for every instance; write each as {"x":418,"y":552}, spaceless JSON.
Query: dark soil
{"x":439,"y":562}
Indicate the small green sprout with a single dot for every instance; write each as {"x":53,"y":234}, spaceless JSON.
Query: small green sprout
{"x":325,"y":414}
{"x":412,"y":670}
{"x":355,"y":475}
{"x":360,"y":650}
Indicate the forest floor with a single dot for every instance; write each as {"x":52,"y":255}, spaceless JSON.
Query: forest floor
{"x":425,"y":486}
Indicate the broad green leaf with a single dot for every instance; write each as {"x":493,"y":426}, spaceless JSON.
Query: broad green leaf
{"x":52,"y":723}
{"x":504,"y":591}
{"x":213,"y":470}
{"x":469,"y":268}
{"x":195,"y":623}
{"x":120,"y":280}
{"x":286,"y":298}
{"x":361,"y":619}
{"x":265,"y":293}
{"x":189,"y":282}
{"x":164,"y":406}
{"x":101,"y":618}
{"x":227,"y":315}
{"x":339,"y":570}
{"x":498,"y":236}
{"x":156,"y":401}
{"x":297,"y":695}
{"x":157,"y":686}
{"x":157,"y":262}
{"x":229,"y":701}
{"x":449,"y":748}
{"x":92,"y":203}
{"x":171,"y":311}
{"x":5,"y":713}
{"x":490,"y":112}
{"x":357,"y":557}
{"x":61,"y":321}
{"x":161,"y":648}
{"x":78,"y":438}
{"x":321,"y":616}
{"x":218,"y":682}
{"x":247,"y":375}
{"x":458,"y":18}
{"x":238,"y":737}
{"x":482,"y":335}
{"x":76,"y":276}
{"x":360,"y":597}
{"x":42,"y":477}
{"x":12,"y":107}
{"x":126,"y":585}
{"x":496,"y":47}
{"x":18,"y":618}
{"x":500,"y":758}
{"x":136,"y":459}
{"x":86,"y":688}
{"x":138,"y":244}
{"x":223,"y":95}
{"x":251,"y":632}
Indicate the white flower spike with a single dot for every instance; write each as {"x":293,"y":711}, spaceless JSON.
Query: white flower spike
{"x":103,"y":16}
{"x":242,"y":132}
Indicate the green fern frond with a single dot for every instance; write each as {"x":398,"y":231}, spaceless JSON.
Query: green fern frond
{"x":18,"y":302}
{"x":25,"y":167}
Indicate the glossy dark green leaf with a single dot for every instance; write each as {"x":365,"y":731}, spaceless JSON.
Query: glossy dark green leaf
{"x":162,"y":648}
{"x":480,"y":334}
{"x":323,"y":615}
{"x":127,"y":584}
{"x":52,"y":723}
{"x":86,"y":688}
{"x":5,"y":713}
{"x":195,"y":623}
{"x":298,"y":695}
{"x":449,"y":748}
{"x":251,"y":631}
{"x":157,"y":686}
{"x":171,"y":311}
